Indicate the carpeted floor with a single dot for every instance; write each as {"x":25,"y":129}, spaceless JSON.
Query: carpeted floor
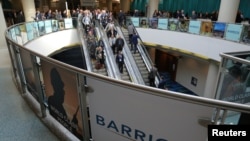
{"x":174,"y":86}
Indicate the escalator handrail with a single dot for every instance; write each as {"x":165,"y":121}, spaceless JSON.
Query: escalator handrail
{"x":144,"y":54}
{"x":130,"y":62}
{"x":107,"y":61}
{"x":85,"y":50}
{"x":109,"y":57}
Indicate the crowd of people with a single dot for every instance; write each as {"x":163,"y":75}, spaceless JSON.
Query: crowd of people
{"x":96,"y":46}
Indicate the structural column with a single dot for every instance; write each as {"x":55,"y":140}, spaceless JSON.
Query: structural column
{"x":151,"y":7}
{"x":109,"y":5}
{"x":3,"y":27}
{"x":228,"y":10}
{"x":125,"y":5}
{"x":29,"y":9}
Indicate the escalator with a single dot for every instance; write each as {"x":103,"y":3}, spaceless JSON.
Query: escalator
{"x":126,"y":75}
{"x":106,"y":70}
{"x":129,"y":60}
{"x":138,"y":59}
{"x":141,"y":58}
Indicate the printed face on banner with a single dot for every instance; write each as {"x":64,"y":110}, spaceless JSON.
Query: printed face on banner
{"x":62,"y":98}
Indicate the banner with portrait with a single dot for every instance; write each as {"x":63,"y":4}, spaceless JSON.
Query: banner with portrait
{"x":54,"y":25}
{"x":183,"y":25}
{"x":144,"y":23}
{"x":206,"y":28}
{"x":173,"y":24}
{"x":153,"y":23}
{"x":62,"y":97}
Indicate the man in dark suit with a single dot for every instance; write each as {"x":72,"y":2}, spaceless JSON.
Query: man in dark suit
{"x":120,"y":61}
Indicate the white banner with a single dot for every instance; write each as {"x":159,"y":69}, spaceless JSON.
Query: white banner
{"x":122,"y":114}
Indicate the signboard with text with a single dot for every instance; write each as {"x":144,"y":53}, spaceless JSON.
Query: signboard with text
{"x":233,"y":32}
{"x":194,"y":27}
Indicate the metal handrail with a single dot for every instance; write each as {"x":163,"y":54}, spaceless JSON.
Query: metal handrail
{"x":130,"y":62}
{"x":145,"y":56}
{"x":237,"y":107}
{"x":108,"y":50}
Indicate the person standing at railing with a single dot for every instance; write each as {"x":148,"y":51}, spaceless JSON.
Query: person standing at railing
{"x":194,"y":15}
{"x":20,"y":17}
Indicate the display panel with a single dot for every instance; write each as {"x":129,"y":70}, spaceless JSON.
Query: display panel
{"x":219,"y":29}
{"x":62,"y":97}
{"x":48,"y":26}
{"x":162,"y":23}
{"x":194,"y":27}
{"x":233,"y":32}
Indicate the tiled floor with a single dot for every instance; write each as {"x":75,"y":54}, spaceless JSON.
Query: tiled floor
{"x":18,"y":122}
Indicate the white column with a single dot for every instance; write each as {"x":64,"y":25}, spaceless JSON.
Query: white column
{"x":125,"y":5}
{"x":109,"y":5}
{"x":3,"y":27}
{"x":29,"y":9}
{"x":228,"y":10}
{"x":152,"y":6}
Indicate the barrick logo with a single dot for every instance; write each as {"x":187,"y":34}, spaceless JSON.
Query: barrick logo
{"x":125,"y":130}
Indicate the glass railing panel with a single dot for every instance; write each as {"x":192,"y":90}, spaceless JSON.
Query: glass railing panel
{"x":234,"y":80}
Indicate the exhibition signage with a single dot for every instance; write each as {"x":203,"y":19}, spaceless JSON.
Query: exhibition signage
{"x":162,"y":23}
{"x":233,"y":32}
{"x":194,"y":27}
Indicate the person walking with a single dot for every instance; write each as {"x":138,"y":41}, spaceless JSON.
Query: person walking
{"x":119,"y":43}
{"x":120,"y":61}
{"x":130,"y":33}
{"x":135,"y":42}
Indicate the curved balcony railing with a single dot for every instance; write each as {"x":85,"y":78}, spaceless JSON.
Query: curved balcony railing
{"x":227,"y":31}
{"x":96,"y":107}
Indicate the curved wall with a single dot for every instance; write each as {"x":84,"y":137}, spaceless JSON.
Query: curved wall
{"x":50,"y":43}
{"x":209,"y":47}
